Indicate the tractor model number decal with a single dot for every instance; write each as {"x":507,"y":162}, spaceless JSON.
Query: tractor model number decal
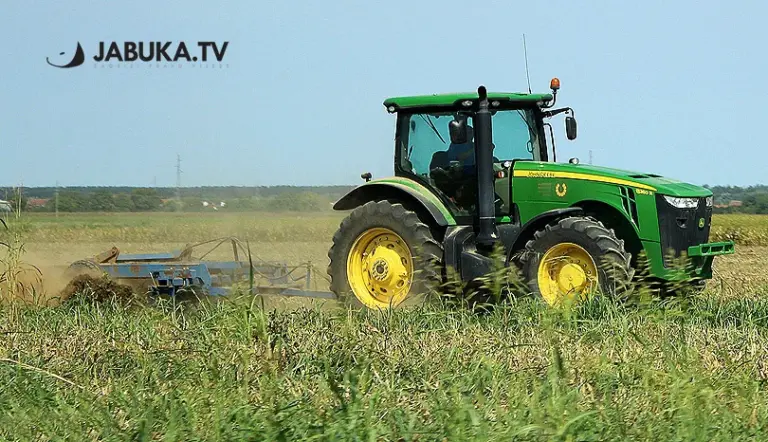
{"x":642,"y":191}
{"x":561,"y":189}
{"x":536,"y":174}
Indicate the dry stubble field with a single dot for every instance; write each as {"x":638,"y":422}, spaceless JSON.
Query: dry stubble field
{"x":688,"y":369}
{"x":55,"y":242}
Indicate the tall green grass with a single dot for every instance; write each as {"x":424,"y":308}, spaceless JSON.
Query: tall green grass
{"x":18,"y":278}
{"x":691,"y":369}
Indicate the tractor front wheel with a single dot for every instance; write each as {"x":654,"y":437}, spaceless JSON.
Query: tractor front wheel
{"x":568,"y":260}
{"x":382,"y":256}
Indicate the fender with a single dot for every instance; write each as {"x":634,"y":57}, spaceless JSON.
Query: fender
{"x":397,"y":188}
{"x":537,"y":222}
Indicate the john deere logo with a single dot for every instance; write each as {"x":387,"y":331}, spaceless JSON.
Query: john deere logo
{"x":561,"y":189}
{"x":701,"y":223}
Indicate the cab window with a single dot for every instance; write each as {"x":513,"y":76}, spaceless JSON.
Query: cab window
{"x":435,"y":159}
{"x":427,"y":135}
{"x":515,"y":135}
{"x":447,"y":164}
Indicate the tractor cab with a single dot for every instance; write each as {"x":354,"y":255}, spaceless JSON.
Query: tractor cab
{"x":436,"y":144}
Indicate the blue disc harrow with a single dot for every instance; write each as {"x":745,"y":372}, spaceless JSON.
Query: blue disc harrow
{"x":189,"y":270}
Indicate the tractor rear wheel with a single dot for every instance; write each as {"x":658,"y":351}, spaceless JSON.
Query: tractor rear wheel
{"x":383,"y":256}
{"x":575,"y":257}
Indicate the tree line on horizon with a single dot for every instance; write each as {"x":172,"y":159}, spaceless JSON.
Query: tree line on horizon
{"x":142,"y":199}
{"x":735,"y":199}
{"x":728,"y":199}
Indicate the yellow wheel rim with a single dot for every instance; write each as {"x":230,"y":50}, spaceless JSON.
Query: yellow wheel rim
{"x":565,"y":271}
{"x":380,"y":268}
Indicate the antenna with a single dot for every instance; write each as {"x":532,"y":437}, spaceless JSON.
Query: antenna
{"x":527,"y":76}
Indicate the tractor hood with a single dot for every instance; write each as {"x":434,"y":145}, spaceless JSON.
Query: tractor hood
{"x":648,"y":181}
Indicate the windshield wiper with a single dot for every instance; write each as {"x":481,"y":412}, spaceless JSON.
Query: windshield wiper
{"x":432,"y":125}
{"x":527,"y":123}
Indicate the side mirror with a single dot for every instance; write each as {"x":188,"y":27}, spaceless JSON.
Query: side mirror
{"x":458,"y":130}
{"x":570,"y":127}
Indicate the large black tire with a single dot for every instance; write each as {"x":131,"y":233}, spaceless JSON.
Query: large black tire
{"x":426,"y":252}
{"x":606,"y":250}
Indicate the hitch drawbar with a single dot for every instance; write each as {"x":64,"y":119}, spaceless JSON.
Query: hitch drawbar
{"x":187,"y":270}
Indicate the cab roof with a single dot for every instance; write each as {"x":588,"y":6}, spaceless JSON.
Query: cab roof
{"x":451,"y":100}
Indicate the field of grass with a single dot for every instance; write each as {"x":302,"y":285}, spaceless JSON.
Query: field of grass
{"x":682,"y":369}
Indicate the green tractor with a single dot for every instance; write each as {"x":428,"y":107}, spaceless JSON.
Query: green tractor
{"x":474,"y":174}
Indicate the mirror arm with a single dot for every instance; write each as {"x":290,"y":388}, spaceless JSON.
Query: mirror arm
{"x":552,"y":113}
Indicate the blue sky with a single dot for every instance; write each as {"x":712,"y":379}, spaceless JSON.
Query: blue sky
{"x":673,"y":88}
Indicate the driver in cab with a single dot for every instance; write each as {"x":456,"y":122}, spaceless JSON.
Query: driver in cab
{"x":454,"y":169}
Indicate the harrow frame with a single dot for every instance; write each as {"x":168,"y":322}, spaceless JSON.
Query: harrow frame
{"x":178,"y":271}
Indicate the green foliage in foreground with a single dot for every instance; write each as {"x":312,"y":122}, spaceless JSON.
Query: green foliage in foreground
{"x":692,"y":370}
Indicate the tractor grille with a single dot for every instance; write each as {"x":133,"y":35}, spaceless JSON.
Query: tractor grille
{"x":679,"y":228}
{"x":628,"y":201}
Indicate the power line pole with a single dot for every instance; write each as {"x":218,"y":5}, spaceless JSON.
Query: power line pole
{"x":20,"y":198}
{"x":178,"y":182}
{"x":56,"y":199}
{"x":590,"y":156}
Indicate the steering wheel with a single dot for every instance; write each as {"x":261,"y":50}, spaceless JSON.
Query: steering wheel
{"x":453,"y":170}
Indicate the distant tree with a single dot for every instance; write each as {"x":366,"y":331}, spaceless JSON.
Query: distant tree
{"x":145,"y":200}
{"x":761,"y":201}
{"x":72,"y":201}
{"x":756,"y":203}
{"x":123,"y":202}
{"x":101,"y":201}
{"x":299,"y":202}
{"x":191,"y":204}
{"x":173,"y":205}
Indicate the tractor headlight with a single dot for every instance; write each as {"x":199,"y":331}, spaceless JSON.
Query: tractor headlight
{"x":682,"y":203}
{"x":710,"y":201}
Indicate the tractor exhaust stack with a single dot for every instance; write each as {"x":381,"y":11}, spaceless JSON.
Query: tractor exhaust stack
{"x":486,"y":232}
